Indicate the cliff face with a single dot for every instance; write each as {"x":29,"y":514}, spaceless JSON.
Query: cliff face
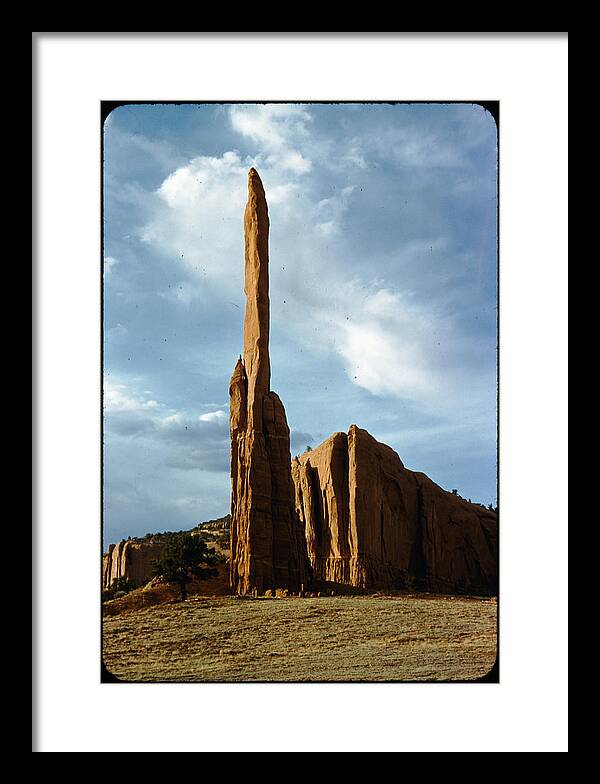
{"x":371,"y":523}
{"x":348,"y":512}
{"x":130,"y":559}
{"x":267,"y":543}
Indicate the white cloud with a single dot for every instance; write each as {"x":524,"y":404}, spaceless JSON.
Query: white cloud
{"x":384,"y":341}
{"x":388,"y":345}
{"x":196,"y":223}
{"x":277,"y":129}
{"x":119,"y":397}
{"x":355,"y":157}
{"x":159,"y":149}
{"x":109,"y":264}
{"x":271,"y":125}
{"x":330,"y":211}
{"x":377,"y":360}
{"x":187,"y":440}
{"x":195,"y":216}
{"x":327,"y":229}
{"x":295,"y":162}
{"x":416,"y":147}
{"x":214,"y":416}
{"x":188,"y":183}
{"x":116,"y":398}
{"x":122,"y":397}
{"x":172,"y":419}
{"x":278,"y":194}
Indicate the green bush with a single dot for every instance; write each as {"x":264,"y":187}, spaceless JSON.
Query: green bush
{"x":184,"y":557}
{"x":119,"y":586}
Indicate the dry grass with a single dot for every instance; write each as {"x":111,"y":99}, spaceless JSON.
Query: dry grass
{"x":340,"y":638}
{"x":159,"y":593}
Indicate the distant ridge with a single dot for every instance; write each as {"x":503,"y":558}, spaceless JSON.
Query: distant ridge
{"x":133,"y":558}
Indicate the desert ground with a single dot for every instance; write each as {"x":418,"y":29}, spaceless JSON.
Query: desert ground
{"x":334,"y":638}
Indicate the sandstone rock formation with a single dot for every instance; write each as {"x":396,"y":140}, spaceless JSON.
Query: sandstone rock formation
{"x":346,"y":513}
{"x":267,"y":542}
{"x":220,"y":525}
{"x":130,"y":558}
{"x":372,"y":523}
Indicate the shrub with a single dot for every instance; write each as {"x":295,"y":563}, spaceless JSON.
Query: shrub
{"x":120,"y":586}
{"x":185,"y":557}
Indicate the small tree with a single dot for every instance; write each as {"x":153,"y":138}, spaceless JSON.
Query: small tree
{"x":184,"y":557}
{"x":309,"y":448}
{"x":121,"y":586}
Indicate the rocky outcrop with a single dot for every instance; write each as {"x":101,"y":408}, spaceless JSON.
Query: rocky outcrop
{"x":372,"y":523}
{"x":267,"y":542}
{"x":130,"y":558}
{"x":220,"y":525}
{"x":348,"y":512}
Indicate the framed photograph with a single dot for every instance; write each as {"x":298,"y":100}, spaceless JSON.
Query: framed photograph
{"x":300,"y":332}
{"x":345,"y":527}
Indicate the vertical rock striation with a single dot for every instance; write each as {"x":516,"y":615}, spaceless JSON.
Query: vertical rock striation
{"x":372,"y":523}
{"x":131,"y":559}
{"x":347,"y":512}
{"x":268,"y":550}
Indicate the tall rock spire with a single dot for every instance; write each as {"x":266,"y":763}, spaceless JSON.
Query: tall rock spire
{"x":256,"y":289}
{"x":268,"y":548}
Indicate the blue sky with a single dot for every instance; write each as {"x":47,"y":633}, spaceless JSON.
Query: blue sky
{"x":383,"y":291}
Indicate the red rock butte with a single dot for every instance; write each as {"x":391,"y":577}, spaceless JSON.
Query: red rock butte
{"x":347,"y":513}
{"x":130,"y":559}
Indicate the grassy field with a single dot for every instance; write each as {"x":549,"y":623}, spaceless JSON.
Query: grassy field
{"x":337,"y":638}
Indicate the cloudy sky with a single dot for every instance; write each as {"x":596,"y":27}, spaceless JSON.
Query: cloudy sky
{"x":383,"y":291}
